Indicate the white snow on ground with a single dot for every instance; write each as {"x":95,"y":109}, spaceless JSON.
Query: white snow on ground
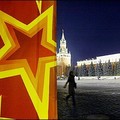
{"x":93,"y":81}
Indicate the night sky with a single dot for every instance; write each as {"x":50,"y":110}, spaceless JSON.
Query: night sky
{"x":92,"y":27}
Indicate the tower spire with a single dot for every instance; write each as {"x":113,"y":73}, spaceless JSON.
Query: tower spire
{"x":63,"y":37}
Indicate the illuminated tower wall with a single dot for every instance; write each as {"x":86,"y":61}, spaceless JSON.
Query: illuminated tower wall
{"x":63,"y":56}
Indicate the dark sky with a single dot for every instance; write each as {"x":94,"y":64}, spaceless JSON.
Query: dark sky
{"x":92,"y":27}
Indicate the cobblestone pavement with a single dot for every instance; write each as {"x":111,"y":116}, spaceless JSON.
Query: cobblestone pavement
{"x":92,"y":102}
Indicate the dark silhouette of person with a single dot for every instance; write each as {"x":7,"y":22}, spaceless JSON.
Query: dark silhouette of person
{"x":71,"y":88}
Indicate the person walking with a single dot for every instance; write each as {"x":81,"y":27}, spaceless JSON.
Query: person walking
{"x":71,"y":88}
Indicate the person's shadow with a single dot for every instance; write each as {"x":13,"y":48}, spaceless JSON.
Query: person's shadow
{"x":72,"y":110}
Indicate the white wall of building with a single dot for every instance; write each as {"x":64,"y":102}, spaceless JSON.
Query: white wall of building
{"x":103,"y":59}
{"x":63,"y":57}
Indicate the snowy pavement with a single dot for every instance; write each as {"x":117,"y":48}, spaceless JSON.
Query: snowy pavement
{"x":93,"y":98}
{"x":94,"y":82}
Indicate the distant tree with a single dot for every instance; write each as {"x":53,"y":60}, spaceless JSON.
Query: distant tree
{"x":118,"y":67}
{"x":84,"y":70}
{"x":115,"y":68}
{"x":81,"y":70}
{"x":91,"y":70}
{"x":96,"y":70}
{"x":100,"y":69}
{"x":76,"y":71}
{"x":109,"y":68}
{"x":105,"y":69}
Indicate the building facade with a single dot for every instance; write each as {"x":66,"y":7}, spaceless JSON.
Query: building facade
{"x":63,"y":57}
{"x":103,"y":59}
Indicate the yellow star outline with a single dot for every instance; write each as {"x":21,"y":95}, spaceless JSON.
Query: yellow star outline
{"x":42,"y":21}
{"x":21,"y":67}
{"x":2,"y":118}
{"x":39,"y":4}
{"x":40,"y":98}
